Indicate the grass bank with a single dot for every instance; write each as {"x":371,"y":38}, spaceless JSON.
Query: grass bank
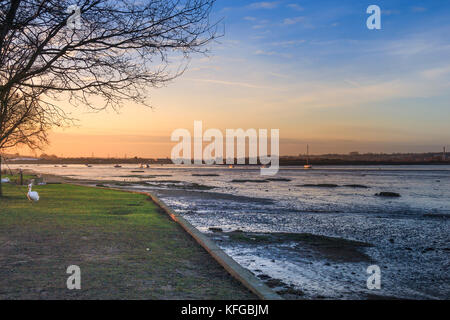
{"x":126,"y":247}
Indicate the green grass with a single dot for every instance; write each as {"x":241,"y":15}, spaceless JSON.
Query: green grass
{"x":106,"y":233}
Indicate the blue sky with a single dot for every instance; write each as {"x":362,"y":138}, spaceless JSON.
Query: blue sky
{"x":320,"y":54}
{"x":332,"y":37}
{"x":311,"y":69}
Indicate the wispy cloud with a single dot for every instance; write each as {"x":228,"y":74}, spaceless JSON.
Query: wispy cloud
{"x":272,"y":53}
{"x":232,"y":83}
{"x":258,"y":26}
{"x":215,"y":68}
{"x":292,"y":21}
{"x":287,"y":43}
{"x":264,"y":5}
{"x":416,"y":46}
{"x":261,"y":24}
{"x":388,"y":12}
{"x":280,"y":75}
{"x":329,"y":95}
{"x":418,"y":9}
{"x":295,"y":7}
{"x":436,"y":72}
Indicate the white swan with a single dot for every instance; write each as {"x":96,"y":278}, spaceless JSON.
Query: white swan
{"x":5,"y":180}
{"x":32,"y":195}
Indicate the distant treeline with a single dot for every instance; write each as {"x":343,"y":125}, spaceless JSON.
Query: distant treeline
{"x":59,"y":161}
{"x":337,"y":162}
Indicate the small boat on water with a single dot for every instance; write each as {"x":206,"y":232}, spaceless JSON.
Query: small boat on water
{"x":88,"y":165}
{"x":117,"y":166}
{"x":307,"y":165}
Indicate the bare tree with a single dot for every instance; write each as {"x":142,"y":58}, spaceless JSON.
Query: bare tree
{"x":113,"y":51}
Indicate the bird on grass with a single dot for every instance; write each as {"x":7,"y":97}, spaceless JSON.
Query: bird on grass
{"x":32,"y":195}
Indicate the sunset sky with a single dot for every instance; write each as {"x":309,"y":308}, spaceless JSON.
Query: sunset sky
{"x":309,"y":68}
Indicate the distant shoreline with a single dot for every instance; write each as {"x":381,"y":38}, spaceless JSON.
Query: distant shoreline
{"x":283,"y":162}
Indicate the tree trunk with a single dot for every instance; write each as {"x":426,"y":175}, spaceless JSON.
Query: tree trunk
{"x":1,"y":191}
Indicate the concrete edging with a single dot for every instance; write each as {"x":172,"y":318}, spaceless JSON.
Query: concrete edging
{"x":229,"y":264}
{"x":238,"y":272}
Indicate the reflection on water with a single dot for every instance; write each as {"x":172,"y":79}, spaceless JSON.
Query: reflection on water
{"x":409,"y":236}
